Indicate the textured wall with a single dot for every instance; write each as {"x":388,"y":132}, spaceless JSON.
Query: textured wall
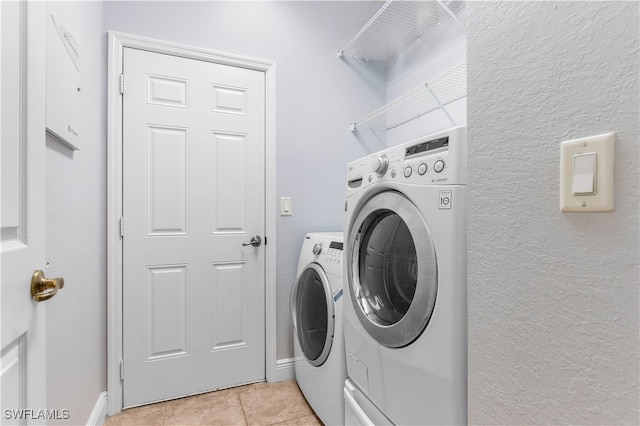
{"x":553,"y":297}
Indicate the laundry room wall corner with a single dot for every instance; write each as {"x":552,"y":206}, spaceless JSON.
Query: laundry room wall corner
{"x":438,"y":52}
{"x":553,"y":297}
{"x":76,"y":239}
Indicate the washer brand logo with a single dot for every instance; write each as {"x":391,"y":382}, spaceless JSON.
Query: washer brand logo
{"x":444,"y":201}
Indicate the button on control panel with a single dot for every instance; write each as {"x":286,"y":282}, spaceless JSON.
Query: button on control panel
{"x":333,"y":253}
{"x":422,"y":168}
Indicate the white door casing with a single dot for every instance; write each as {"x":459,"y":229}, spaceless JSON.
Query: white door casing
{"x":22,"y":218}
{"x":118,"y":42}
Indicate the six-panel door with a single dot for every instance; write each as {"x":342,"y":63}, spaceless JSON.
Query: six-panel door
{"x":193,"y":173}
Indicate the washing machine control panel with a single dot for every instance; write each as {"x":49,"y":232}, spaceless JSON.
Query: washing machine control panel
{"x":431,"y":160}
{"x":327,"y":251}
{"x":418,"y":167}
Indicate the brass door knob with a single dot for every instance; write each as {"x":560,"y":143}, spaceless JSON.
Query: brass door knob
{"x":44,"y":288}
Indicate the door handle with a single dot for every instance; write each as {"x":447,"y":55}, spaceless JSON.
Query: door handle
{"x":255,"y":241}
{"x":44,"y":288}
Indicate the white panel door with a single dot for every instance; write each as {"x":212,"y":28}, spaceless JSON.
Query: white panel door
{"x":193,"y":176}
{"x":22,"y":129}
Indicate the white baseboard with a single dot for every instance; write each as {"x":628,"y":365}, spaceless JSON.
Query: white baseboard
{"x":99,"y":412}
{"x":285,"y":369}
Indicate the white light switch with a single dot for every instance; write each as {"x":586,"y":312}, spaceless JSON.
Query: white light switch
{"x":586,"y":174}
{"x":285,"y":206}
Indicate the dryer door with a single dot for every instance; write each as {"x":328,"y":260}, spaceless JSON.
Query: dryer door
{"x":313,"y":313}
{"x":392,"y":269}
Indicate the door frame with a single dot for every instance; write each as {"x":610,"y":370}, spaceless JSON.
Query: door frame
{"x":117,"y":42}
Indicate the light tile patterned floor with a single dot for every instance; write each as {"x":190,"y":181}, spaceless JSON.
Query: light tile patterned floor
{"x":257,"y":404}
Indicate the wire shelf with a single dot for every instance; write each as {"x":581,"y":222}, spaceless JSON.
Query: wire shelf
{"x":436,"y":94}
{"x":397,"y":26}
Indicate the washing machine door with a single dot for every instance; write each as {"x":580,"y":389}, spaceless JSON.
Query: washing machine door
{"x":392,"y":269}
{"x":313,"y":313}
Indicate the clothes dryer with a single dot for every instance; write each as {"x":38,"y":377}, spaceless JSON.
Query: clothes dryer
{"x":406,"y":282}
{"x":316,"y":308}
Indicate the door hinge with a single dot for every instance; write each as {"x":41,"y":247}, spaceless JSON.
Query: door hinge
{"x":122,"y":84}
{"x":122,"y":227}
{"x":121,"y":370}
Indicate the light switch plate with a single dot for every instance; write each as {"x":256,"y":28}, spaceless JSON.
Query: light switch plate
{"x":285,"y":206}
{"x":603,"y":199}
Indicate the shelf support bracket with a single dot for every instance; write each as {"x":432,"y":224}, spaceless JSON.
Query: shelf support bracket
{"x":367,"y":25}
{"x":442,"y":108}
{"x":455,"y":18}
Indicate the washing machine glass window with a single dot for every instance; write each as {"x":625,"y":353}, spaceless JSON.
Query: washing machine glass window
{"x":314,"y":314}
{"x":388,"y":266}
{"x":392,"y":269}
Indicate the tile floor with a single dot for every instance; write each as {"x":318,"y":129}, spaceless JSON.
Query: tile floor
{"x":257,"y":404}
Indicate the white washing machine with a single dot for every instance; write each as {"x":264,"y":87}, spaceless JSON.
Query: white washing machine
{"x":316,"y":308}
{"x":406,"y":283}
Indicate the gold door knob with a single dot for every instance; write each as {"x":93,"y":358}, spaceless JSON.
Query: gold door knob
{"x":44,"y":288}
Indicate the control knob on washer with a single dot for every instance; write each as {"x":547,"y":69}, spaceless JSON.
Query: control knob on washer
{"x":380,"y":165}
{"x":317,"y":248}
